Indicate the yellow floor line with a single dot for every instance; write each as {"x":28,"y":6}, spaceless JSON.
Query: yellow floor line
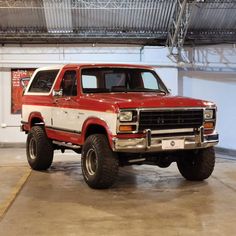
{"x":12,"y":195}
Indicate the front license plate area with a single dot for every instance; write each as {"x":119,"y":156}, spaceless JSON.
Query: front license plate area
{"x":172,"y":144}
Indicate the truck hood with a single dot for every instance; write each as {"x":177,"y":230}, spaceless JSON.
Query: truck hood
{"x":147,"y":100}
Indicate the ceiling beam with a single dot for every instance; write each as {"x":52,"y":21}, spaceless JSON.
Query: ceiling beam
{"x":179,"y":25}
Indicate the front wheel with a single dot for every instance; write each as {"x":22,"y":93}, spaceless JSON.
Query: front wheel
{"x":39,"y":149}
{"x":99,"y":163}
{"x":197,"y":165}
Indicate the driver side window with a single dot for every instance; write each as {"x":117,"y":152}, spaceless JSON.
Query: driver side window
{"x":69,"y":83}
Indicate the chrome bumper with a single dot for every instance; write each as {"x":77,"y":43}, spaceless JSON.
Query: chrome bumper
{"x":155,"y":144}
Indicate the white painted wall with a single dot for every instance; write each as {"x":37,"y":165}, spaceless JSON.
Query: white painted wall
{"x":166,"y":68}
{"x":213,"y":77}
{"x":12,"y":132}
{"x":33,"y":56}
{"x":210,"y":75}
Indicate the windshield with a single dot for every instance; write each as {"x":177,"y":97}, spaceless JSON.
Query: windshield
{"x":106,"y":80}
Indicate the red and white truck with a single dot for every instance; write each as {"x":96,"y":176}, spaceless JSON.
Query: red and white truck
{"x":116,"y":115}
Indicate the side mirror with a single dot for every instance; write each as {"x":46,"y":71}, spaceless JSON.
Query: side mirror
{"x":57,"y":93}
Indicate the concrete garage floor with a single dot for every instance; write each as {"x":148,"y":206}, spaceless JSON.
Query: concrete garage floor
{"x":146,"y":200}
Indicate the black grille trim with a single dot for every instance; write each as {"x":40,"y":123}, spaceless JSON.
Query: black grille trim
{"x":170,"y":119}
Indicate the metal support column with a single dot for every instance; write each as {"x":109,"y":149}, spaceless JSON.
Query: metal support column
{"x":178,"y":26}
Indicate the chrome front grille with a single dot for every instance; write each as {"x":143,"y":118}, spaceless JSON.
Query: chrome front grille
{"x":170,"y":119}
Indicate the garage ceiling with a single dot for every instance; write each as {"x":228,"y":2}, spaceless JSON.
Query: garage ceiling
{"x":147,"y":22}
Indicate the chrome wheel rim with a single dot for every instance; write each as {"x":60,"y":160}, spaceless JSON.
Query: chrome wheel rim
{"x":91,"y":162}
{"x":32,"y":149}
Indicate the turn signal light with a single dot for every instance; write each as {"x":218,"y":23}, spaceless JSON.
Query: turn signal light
{"x":209,"y":125}
{"x":127,"y":128}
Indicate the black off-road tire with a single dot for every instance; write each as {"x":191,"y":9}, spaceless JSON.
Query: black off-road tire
{"x":99,"y":163}
{"x":197,"y":165}
{"x":39,"y":149}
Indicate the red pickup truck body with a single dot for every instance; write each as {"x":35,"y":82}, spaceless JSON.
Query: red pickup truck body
{"x":128,"y":104}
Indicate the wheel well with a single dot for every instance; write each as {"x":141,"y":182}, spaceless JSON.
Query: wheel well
{"x":36,"y":121}
{"x":95,"y":129}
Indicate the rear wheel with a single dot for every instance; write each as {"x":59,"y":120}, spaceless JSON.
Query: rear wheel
{"x":99,"y":162}
{"x":197,"y":165}
{"x":39,"y":149}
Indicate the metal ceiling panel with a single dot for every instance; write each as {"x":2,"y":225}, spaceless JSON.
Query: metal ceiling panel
{"x":127,"y":21}
{"x":214,"y":15}
{"x":58,"y":16}
{"x":22,"y":17}
{"x":150,"y":15}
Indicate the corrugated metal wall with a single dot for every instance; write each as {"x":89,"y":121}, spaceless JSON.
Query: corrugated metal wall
{"x":146,"y":19}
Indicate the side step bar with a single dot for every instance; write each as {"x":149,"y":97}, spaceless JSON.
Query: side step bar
{"x":68,"y":145}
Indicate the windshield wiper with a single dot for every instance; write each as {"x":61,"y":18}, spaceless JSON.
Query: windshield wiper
{"x":148,"y":90}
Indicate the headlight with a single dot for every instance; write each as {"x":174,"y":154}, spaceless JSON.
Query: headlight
{"x":126,"y":116}
{"x":208,"y":114}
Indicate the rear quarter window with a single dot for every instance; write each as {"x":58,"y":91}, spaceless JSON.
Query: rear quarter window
{"x":43,"y":81}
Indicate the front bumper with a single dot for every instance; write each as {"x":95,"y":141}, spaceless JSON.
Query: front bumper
{"x":155,"y":144}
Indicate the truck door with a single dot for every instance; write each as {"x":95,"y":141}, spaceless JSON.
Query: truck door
{"x":65,"y":112}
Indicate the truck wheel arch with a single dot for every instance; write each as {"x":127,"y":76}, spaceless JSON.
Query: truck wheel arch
{"x":35,"y":118}
{"x":96,"y":126}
